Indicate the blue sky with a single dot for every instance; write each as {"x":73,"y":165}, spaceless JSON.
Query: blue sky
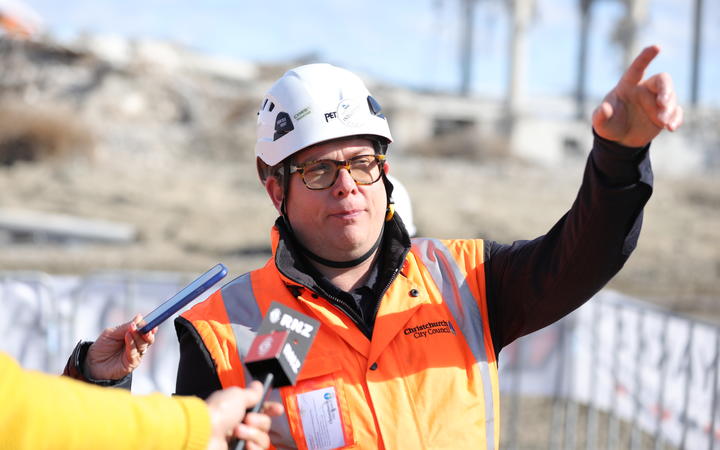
{"x":410,"y":42}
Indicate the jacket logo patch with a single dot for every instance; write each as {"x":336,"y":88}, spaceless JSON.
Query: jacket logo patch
{"x":430,"y":328}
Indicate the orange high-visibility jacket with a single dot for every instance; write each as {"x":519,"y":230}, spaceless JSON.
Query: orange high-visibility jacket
{"x":427,"y":379}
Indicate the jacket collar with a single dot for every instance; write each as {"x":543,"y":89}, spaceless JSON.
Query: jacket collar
{"x":296,"y":269}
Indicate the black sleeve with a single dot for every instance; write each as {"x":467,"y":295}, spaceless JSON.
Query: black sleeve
{"x":75,"y":368}
{"x":196,"y":373}
{"x":531,"y":284}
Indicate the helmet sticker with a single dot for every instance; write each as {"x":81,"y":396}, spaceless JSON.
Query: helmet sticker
{"x":375,"y":107}
{"x":302,"y":113}
{"x":352,"y":112}
{"x":283,"y":125}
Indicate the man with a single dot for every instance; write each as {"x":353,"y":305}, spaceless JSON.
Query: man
{"x":406,"y":355}
{"x":42,"y":411}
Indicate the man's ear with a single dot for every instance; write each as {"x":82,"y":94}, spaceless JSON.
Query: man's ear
{"x":274,"y":190}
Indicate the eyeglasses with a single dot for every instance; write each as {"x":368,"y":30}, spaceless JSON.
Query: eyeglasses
{"x":321,"y":174}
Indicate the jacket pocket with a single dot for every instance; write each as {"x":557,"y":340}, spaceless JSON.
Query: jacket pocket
{"x":317,"y":408}
{"x":318,"y":366}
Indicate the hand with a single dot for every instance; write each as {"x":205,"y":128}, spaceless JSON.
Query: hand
{"x":636,"y":110}
{"x":118,"y":351}
{"x":227,"y":410}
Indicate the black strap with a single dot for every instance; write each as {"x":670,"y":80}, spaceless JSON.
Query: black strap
{"x":342,"y":264}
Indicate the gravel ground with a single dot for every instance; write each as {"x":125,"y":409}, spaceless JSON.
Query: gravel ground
{"x":193,"y":213}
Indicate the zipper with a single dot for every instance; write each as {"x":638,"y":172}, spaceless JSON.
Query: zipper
{"x":343,"y":306}
{"x":382,"y":293}
{"x":347,"y":310}
{"x":350,"y":312}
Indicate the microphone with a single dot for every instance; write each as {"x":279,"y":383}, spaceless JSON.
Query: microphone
{"x":279,"y":349}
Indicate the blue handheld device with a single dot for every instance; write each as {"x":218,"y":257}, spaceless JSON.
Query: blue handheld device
{"x":182,"y":298}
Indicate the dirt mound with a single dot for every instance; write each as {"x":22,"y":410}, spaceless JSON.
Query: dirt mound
{"x":172,"y":155}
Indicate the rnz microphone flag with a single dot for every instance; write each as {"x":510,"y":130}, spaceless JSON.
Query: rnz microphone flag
{"x":281,"y":345}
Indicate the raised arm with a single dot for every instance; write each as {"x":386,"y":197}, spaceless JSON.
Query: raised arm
{"x":532,"y":284}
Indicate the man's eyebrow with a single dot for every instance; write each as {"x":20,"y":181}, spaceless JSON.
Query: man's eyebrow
{"x":353,"y":155}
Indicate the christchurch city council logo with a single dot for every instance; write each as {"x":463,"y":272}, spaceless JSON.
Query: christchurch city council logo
{"x":274,"y":315}
{"x":430,"y":329}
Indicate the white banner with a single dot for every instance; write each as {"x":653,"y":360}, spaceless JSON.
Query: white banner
{"x":647,"y":366}
{"x":46,"y":316}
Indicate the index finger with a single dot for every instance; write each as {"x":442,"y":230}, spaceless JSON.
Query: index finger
{"x":634,"y":73}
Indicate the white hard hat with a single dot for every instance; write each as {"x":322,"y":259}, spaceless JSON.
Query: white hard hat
{"x":312,"y":104}
{"x":403,"y":205}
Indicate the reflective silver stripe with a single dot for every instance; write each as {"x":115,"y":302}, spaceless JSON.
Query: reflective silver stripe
{"x":245,"y":317}
{"x":463,"y":306}
{"x":280,"y":434}
{"x":243,"y":312}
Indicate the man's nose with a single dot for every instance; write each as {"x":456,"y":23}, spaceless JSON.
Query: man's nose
{"x":345,"y":181}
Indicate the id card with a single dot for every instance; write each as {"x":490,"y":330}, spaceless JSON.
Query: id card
{"x":320,"y":416}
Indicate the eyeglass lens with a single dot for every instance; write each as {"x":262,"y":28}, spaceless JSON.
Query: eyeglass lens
{"x":364,"y":169}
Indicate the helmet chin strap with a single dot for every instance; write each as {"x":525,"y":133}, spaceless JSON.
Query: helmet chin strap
{"x":344,"y":264}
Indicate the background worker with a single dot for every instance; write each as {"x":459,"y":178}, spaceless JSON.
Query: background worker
{"x":406,"y":356}
{"x":403,"y":205}
{"x":42,"y":411}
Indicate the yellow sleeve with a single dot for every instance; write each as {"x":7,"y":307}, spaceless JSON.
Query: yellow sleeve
{"x":40,"y":411}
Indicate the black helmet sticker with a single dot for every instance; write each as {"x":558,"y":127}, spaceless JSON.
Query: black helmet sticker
{"x":283,"y":125}
{"x":375,"y":107}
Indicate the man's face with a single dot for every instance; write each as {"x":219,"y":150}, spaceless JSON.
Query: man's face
{"x":341,"y":222}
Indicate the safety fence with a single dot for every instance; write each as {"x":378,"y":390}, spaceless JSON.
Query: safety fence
{"x":617,"y":373}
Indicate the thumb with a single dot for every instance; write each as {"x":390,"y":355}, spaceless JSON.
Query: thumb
{"x":253,"y":393}
{"x":118,"y":331}
{"x":602,"y":115}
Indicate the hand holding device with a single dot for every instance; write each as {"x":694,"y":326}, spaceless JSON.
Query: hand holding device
{"x":182,"y":298}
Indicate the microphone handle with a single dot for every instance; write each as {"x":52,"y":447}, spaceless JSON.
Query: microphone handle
{"x":267,"y":385}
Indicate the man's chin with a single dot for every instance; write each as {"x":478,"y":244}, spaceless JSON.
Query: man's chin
{"x":348,"y":249}
{"x":350,"y":241}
